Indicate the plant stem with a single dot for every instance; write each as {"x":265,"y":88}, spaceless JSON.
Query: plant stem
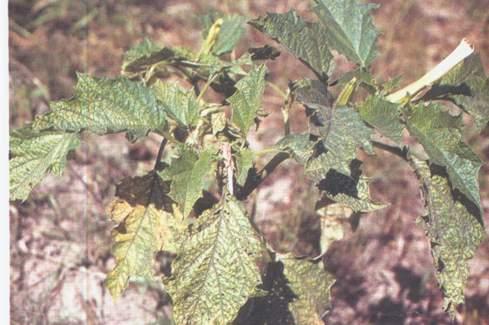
{"x":463,"y":50}
{"x":254,"y":181}
{"x":206,"y":86}
{"x":160,"y":153}
{"x":392,"y":149}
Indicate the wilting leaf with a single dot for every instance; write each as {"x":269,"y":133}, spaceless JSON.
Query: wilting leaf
{"x":333,"y":219}
{"x":246,"y":101}
{"x":468,"y":86}
{"x":440,"y":135}
{"x":352,"y":192}
{"x":265,"y":52}
{"x":311,"y":286}
{"x":244,"y":161}
{"x":102,"y":106}
{"x":144,"y":227}
{"x":34,"y":154}
{"x":215,"y":271}
{"x":454,"y":232}
{"x":313,"y":94}
{"x":179,"y":103}
{"x":348,"y":28}
{"x":188,"y":177}
{"x":307,"y":41}
{"x":384,"y":116}
{"x":231,"y":31}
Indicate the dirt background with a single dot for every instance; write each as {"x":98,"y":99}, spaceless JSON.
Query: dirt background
{"x":60,"y":245}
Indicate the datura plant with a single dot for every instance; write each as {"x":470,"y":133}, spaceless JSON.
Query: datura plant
{"x":191,"y":203}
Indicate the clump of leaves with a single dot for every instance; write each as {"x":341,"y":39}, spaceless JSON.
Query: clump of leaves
{"x":223,"y":270}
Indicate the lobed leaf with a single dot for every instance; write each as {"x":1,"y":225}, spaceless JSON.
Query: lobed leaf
{"x":384,"y":116}
{"x":441,"y":138}
{"x":341,"y":134}
{"x":246,"y":101}
{"x":304,"y":40}
{"x":455,"y":234}
{"x":180,"y":104}
{"x":34,"y":154}
{"x":188,"y":176}
{"x":215,"y":271}
{"x":144,"y":227}
{"x":102,"y":106}
{"x":348,"y":28}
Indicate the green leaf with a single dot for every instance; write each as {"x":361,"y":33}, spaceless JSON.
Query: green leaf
{"x":300,"y":146}
{"x":468,"y":86}
{"x":231,"y":31}
{"x":455,"y":234}
{"x":179,"y":103}
{"x":348,"y":28}
{"x":144,"y":227}
{"x":440,"y":135}
{"x":314,"y":95}
{"x":244,"y":162}
{"x":384,"y":116}
{"x":141,"y":56}
{"x":311,"y":285}
{"x":306,"y":41}
{"x":215,"y":271}
{"x":341,"y":133}
{"x":104,"y":106}
{"x":246,"y":101}
{"x":34,"y":154}
{"x":188,"y":176}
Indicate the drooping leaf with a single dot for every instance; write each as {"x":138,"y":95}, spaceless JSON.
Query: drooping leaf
{"x":244,"y":162}
{"x":318,"y":101}
{"x":454,"y":232}
{"x":440,"y":135}
{"x":311,"y":285}
{"x":384,"y":116}
{"x":348,"y":28}
{"x":144,"y":227}
{"x":468,"y":86}
{"x":215,"y":271}
{"x":266,"y":52}
{"x":180,"y":104}
{"x":341,"y":134}
{"x":188,"y":176}
{"x":231,"y":31}
{"x":352,"y":192}
{"x":306,"y":41}
{"x":246,"y":101}
{"x":102,"y":106}
{"x":34,"y":154}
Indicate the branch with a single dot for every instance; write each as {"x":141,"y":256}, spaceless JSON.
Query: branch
{"x":463,"y":50}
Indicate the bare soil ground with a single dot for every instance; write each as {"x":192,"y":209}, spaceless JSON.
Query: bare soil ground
{"x":60,"y":237}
